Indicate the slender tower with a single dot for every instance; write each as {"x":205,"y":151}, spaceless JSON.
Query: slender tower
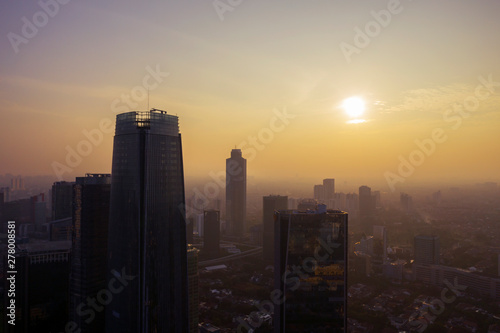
{"x":147,"y":253}
{"x":236,"y":193}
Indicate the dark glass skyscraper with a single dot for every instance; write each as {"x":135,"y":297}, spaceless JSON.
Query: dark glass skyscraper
{"x":311,"y":270}
{"x":236,"y":193}
{"x":91,"y":196}
{"x":147,"y":231}
{"x":270,"y":204}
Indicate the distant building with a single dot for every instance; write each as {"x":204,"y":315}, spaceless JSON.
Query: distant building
{"x":329,"y":192}
{"x":62,"y":200}
{"x":314,"y":299}
{"x":427,"y":250}
{"x":91,"y":195}
{"x":211,"y":237}
{"x":270,"y":204}
{"x":256,"y":234}
{"x":362,"y":263}
{"x":393,"y":270}
{"x":366,"y":202}
{"x":445,"y":276}
{"x":193,"y":291}
{"x":5,"y":193}
{"x":236,"y":193}
{"x":380,"y":243}
{"x":319,"y":193}
{"x":17,"y":184}
{"x":406,"y":202}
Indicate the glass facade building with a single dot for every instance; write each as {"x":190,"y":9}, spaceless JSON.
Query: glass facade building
{"x":147,"y":232}
{"x":91,"y":196}
{"x":310,"y":270}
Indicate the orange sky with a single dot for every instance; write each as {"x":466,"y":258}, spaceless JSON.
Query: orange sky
{"x":227,"y":79}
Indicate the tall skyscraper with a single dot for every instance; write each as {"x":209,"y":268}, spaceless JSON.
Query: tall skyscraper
{"x":211,"y":234}
{"x":236,"y":193}
{"x":366,"y":202}
{"x":379,"y":243}
{"x":91,"y":196}
{"x":314,"y":295}
{"x":147,"y":231}
{"x":62,"y":200}
{"x":427,"y":250}
{"x":329,"y":190}
{"x":270,"y":204}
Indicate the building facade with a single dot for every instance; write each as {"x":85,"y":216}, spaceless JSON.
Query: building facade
{"x":211,"y":238}
{"x":91,"y":195}
{"x":427,"y":250}
{"x":312,"y":297}
{"x":147,"y":230}
{"x":270,"y":204}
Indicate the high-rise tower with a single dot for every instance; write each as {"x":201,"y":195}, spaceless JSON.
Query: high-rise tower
{"x":236,"y":193}
{"x":427,"y":250}
{"x":270,"y":204}
{"x":147,"y":231}
{"x":313,"y":297}
{"x":89,"y":246}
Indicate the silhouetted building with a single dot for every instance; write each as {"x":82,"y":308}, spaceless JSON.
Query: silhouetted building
{"x":62,"y":200}
{"x":211,"y":238}
{"x":42,"y":284}
{"x":236,"y":193}
{"x":91,"y":196}
{"x":147,"y":230}
{"x":379,"y":243}
{"x":319,"y":193}
{"x":427,"y":250}
{"x":406,"y":202}
{"x":366,"y":202}
{"x":193,"y":292}
{"x":270,"y":204}
{"x":313,"y":298}
{"x":17,"y":184}
{"x":329,"y":192}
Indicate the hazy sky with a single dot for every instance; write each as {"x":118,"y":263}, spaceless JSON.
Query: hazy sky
{"x":234,"y":65}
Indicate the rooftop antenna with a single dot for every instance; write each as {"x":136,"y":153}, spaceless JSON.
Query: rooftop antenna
{"x":148,"y":98}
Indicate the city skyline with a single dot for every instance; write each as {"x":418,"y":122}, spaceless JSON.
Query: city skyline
{"x":226,"y":66}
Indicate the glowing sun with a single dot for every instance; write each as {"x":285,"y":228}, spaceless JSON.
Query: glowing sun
{"x":354,"y":106}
